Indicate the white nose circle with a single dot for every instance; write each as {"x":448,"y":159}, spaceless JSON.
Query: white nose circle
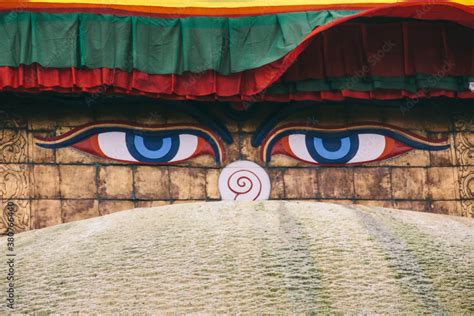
{"x":244,"y":181}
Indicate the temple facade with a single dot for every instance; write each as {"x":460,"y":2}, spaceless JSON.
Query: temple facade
{"x":108,"y":108}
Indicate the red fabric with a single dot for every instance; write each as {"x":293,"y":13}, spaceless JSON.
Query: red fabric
{"x":207,"y":85}
{"x":301,"y":96}
{"x":421,"y":11}
{"x":39,"y":78}
{"x":395,"y":49}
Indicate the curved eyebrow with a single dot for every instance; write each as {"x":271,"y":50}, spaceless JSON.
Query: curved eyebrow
{"x":204,"y":118}
{"x":272,"y":120}
{"x":87,"y":130}
{"x":411,"y":139}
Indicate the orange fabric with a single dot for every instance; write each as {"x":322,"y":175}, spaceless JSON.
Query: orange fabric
{"x":206,"y":11}
{"x":175,"y":12}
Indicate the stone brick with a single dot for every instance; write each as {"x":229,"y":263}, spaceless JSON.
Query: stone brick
{"x":359,"y":113}
{"x":232,"y":151}
{"x":180,"y":117}
{"x":45,"y":213}
{"x":436,"y":123}
{"x":446,"y":207}
{"x":336,"y":183}
{"x":247,"y":151}
{"x":331,"y":115}
{"x":73,"y":116}
{"x":249,"y":126}
{"x":231,"y":125}
{"x":152,"y":183}
{"x":150,"y":115}
{"x":144,"y":204}
{"x":421,"y":206}
{"x":21,"y":215}
{"x":405,"y":116}
{"x":212,"y":184}
{"x":39,"y":154}
{"x":278,"y":184}
{"x":46,"y":181}
{"x":259,"y":113}
{"x":301,"y":183}
{"x":201,"y":161}
{"x":441,"y":158}
{"x":187,"y":183}
{"x":117,"y":112}
{"x":42,"y":120}
{"x":78,"y":182}
{"x":409,"y":183}
{"x":285,"y":161}
{"x":112,"y":206}
{"x":442,"y":184}
{"x":115,"y":182}
{"x":74,"y":210}
{"x":413,"y":158}
{"x":436,"y":119}
{"x":71,"y":155}
{"x":372,"y":183}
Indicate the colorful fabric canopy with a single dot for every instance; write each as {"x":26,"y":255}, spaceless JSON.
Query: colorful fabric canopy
{"x":385,"y":52}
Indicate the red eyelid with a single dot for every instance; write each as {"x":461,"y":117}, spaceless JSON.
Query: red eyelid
{"x":393,"y":148}
{"x":204,"y":148}
{"x":281,"y":147}
{"x":91,"y":146}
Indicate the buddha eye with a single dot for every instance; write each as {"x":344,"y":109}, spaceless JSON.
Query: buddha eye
{"x":344,"y":146}
{"x":138,"y":144}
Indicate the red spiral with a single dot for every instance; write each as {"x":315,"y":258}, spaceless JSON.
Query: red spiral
{"x":241,"y":182}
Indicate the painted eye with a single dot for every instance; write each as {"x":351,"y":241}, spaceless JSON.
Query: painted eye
{"x":354,"y":145}
{"x":129,"y":143}
{"x":329,"y":150}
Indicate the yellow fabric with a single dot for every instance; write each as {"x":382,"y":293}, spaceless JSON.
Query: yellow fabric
{"x":225,"y":4}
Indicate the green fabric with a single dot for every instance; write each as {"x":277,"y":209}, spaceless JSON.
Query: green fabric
{"x":154,"y":45}
{"x":409,"y":83}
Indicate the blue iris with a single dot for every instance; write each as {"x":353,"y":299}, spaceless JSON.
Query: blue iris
{"x":152,"y":148}
{"x":332,"y":150}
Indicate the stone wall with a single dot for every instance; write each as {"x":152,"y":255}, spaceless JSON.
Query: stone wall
{"x":52,"y":186}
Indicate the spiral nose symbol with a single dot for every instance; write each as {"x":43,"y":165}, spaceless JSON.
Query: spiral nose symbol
{"x":244,"y":181}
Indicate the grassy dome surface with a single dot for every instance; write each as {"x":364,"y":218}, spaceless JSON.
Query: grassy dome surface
{"x":249,"y":257}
